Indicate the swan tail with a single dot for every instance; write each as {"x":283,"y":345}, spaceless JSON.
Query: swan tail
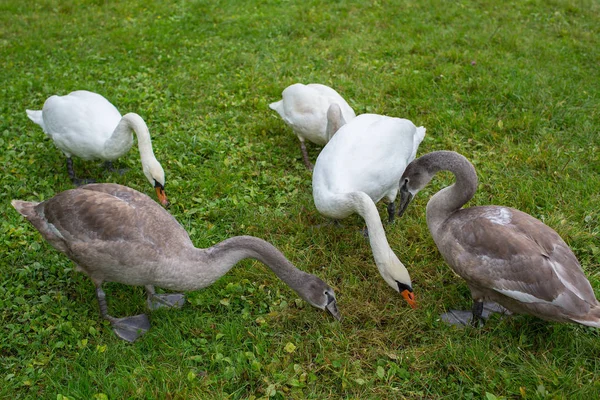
{"x":420,"y":135}
{"x":276,"y":106}
{"x":36,"y":218}
{"x":417,"y":139}
{"x":592,"y":319}
{"x":25,"y":208}
{"x":36,"y":116}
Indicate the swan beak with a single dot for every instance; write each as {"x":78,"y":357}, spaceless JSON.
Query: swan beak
{"x":160,"y":193}
{"x":409,"y":297}
{"x":405,"y":199}
{"x":332,"y":308}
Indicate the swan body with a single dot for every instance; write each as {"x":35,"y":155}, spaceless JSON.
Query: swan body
{"x":86,"y":125}
{"x":304,"y":108}
{"x":506,"y":256}
{"x":361,"y":165}
{"x":116,"y":234}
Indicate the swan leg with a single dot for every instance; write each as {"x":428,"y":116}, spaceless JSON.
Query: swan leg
{"x":365,"y":232}
{"x":477,"y":312}
{"x":168,"y":300}
{"x":305,"y":156}
{"x":76,"y":181}
{"x":335,"y":222}
{"x":108,"y":165}
{"x":128,"y":328}
{"x":391,"y":208}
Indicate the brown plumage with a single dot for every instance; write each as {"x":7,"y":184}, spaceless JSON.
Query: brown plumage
{"x":505,"y":255}
{"x":116,"y":234}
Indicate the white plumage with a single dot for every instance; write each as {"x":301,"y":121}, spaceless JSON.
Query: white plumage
{"x":361,"y":165}
{"x":86,"y":125}
{"x":304,"y":108}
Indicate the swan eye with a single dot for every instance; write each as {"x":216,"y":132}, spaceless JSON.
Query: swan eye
{"x":330,"y":296}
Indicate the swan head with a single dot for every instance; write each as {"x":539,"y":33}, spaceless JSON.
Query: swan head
{"x":319,"y":294}
{"x":415,"y":177}
{"x":156,"y":176}
{"x":396,"y":275}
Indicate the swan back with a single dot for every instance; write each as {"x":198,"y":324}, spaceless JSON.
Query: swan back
{"x":79,"y":123}
{"x":112,"y":232}
{"x":304,"y":109}
{"x":368,"y":154}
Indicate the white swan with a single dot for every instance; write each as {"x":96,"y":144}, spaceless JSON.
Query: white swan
{"x":86,"y":125}
{"x":361,"y":165}
{"x":506,"y":256}
{"x":304,"y":109}
{"x":116,"y":234}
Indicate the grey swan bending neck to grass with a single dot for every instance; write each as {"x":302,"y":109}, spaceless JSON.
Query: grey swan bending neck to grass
{"x":116,"y":234}
{"x":506,"y":256}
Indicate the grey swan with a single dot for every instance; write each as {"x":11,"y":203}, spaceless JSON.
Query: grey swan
{"x":506,"y":256}
{"x":116,"y":234}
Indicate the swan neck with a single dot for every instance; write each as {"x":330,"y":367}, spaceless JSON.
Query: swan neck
{"x":365,"y":207}
{"x":121,"y":137}
{"x":450,"y":199}
{"x":229,"y":252}
{"x":137,"y":124}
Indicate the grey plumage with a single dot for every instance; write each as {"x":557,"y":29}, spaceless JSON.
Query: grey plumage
{"x":116,"y":234}
{"x":505,"y":255}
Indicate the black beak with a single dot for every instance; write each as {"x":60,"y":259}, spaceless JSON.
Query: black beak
{"x":405,"y":199}
{"x":332,"y":308}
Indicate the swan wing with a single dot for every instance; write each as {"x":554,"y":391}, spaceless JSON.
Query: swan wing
{"x":113,"y":213}
{"x":512,"y":253}
{"x":368,"y":154}
{"x":80,"y":122}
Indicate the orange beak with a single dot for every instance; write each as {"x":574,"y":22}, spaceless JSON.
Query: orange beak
{"x":162,"y":196}
{"x":409,"y":297}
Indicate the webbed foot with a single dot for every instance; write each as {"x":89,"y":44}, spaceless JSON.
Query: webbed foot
{"x":80,"y":182}
{"x":130,"y":328}
{"x":458,"y":318}
{"x":168,"y":300}
{"x":365,"y":232}
{"x":480,"y":313}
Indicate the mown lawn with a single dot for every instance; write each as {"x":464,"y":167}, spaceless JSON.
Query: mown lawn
{"x":512,"y":85}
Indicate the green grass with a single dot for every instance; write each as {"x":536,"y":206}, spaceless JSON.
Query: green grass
{"x":514,"y":86}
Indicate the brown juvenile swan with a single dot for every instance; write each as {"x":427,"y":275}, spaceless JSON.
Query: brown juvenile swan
{"x":505,"y":255}
{"x":116,"y":234}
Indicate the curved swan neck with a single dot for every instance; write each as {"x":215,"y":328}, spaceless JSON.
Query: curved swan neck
{"x":137,"y":124}
{"x":365,"y":207}
{"x":451,"y":198}
{"x":229,"y":252}
{"x":121,"y":137}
